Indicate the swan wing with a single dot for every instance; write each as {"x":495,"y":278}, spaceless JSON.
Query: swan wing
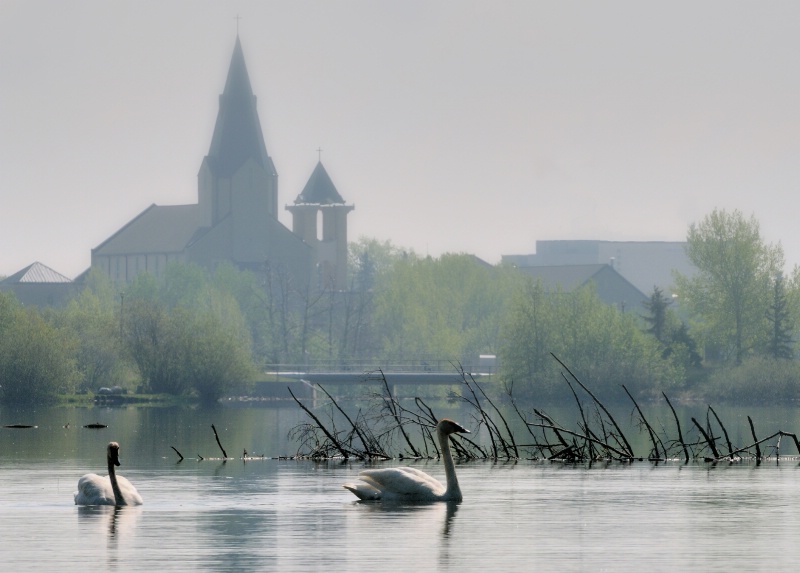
{"x":94,"y":490}
{"x":402,"y":484}
{"x":129,"y":493}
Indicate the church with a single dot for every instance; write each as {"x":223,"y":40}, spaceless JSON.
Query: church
{"x":235,"y":218}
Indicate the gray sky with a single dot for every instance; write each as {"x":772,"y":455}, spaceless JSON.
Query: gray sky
{"x":455,"y":126}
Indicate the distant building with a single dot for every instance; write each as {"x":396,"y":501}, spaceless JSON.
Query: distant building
{"x":646,"y":264}
{"x":236,"y":216}
{"x":611,"y":287}
{"x":39,"y":285}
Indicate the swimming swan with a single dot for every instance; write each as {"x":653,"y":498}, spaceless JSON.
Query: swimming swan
{"x":411,"y":484}
{"x":107,"y":490}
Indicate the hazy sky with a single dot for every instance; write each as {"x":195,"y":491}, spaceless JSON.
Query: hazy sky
{"x":455,"y":126}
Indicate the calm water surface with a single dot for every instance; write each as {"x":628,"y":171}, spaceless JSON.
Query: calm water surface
{"x":279,"y":515}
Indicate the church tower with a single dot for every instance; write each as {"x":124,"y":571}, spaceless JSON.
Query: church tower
{"x":319,"y":217}
{"x":237,"y":182}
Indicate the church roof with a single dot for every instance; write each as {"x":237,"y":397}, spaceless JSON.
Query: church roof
{"x":319,"y":190}
{"x":237,"y":133}
{"x":157,"y":229}
{"x":36,"y":273}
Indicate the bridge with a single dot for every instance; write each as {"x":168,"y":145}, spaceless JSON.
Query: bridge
{"x":396,"y":373}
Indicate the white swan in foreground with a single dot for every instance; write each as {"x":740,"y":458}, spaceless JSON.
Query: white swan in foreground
{"x":411,"y":484}
{"x":107,"y":490}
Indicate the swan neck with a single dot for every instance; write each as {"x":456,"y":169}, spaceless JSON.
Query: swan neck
{"x":112,"y":476}
{"x":453,"y":490}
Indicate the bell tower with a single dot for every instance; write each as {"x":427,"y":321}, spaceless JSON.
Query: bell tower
{"x":319,"y":218}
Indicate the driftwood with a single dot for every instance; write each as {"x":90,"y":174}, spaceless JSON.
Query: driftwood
{"x":598,"y":436}
{"x":680,"y":433}
{"x":180,"y":456}
{"x":224,"y":453}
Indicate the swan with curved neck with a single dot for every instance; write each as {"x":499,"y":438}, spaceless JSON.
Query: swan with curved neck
{"x":411,"y":484}
{"x":107,"y":490}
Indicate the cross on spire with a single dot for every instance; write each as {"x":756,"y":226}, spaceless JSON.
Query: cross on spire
{"x":237,"y":18}
{"x":319,"y":154}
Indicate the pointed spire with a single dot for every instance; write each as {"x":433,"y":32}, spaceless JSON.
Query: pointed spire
{"x":237,"y":133}
{"x":319,"y":190}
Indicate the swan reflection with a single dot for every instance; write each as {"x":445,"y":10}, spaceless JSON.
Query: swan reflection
{"x":420,"y":511}
{"x":115,"y":521}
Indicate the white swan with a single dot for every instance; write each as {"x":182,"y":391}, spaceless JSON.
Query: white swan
{"x":411,"y":484}
{"x":107,"y":490}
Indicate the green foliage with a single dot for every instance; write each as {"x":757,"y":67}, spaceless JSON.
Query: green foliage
{"x":780,"y":322}
{"x":729,"y":296}
{"x":36,"y":359}
{"x":657,"y":307}
{"x":604,"y":347}
{"x":670,"y":331}
{"x":758,"y":380}
{"x":449,"y":308}
{"x":188,"y":335}
{"x":97,"y":328}
{"x":370,"y":259}
{"x":93,"y":317}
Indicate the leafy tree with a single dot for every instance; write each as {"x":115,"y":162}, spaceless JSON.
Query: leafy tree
{"x":449,"y":308}
{"x":729,"y":294}
{"x":781,"y":325}
{"x":369,"y":259}
{"x":97,"y":329}
{"x":195,"y":342}
{"x":602,"y":345}
{"x":153,"y":343}
{"x":670,"y":331}
{"x":36,"y":359}
{"x":657,"y":307}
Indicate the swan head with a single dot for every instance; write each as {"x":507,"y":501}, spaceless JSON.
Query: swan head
{"x":447,"y":427}
{"x":113,"y":453}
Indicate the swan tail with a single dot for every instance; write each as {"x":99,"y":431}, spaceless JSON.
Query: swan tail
{"x":363,"y":491}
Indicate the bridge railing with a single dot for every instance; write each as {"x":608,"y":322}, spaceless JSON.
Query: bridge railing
{"x":359,"y":366}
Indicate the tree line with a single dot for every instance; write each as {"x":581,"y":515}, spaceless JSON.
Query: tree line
{"x":729,"y":329}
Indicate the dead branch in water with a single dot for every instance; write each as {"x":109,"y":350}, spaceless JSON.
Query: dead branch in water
{"x":224,"y":455}
{"x":179,"y":454}
{"x":390,"y":423}
{"x":709,"y":440}
{"x":678,"y":424}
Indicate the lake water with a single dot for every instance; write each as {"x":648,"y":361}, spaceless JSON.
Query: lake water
{"x":286,"y":515}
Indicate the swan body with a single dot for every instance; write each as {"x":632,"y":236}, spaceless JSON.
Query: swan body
{"x":411,"y":484}
{"x":107,"y":490}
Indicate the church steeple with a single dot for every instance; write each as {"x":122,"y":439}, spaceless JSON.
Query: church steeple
{"x":319,"y":217}
{"x":237,"y":133}
{"x":319,"y":189}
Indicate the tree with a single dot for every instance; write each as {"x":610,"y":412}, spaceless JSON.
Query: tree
{"x":670,"y":331}
{"x":94,"y":317}
{"x":37,"y":360}
{"x":657,"y":306}
{"x":198,"y":342}
{"x":729,"y":294}
{"x":781,"y":326}
{"x":602,"y":345}
{"x":449,"y":309}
